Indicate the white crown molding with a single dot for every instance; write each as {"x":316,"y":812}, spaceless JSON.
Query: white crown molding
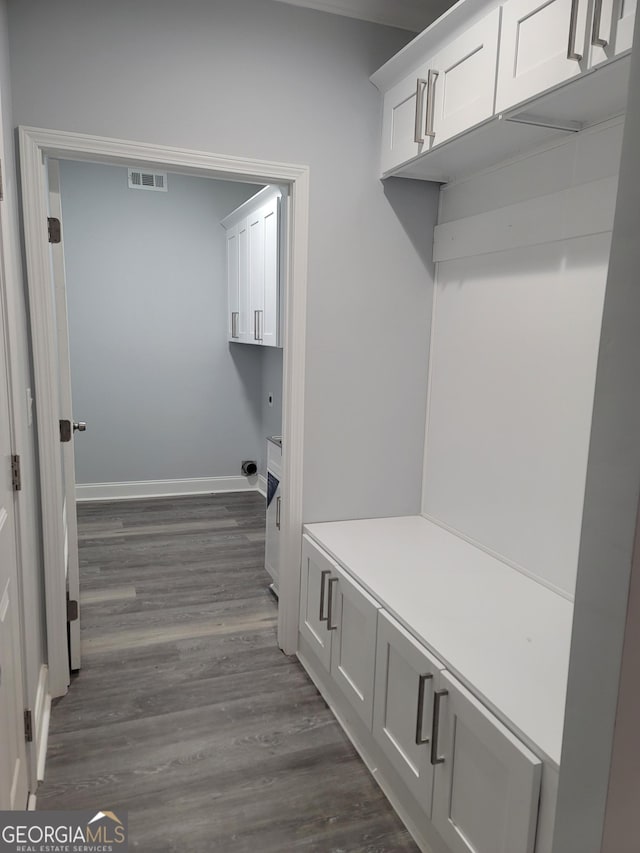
{"x":413,"y":15}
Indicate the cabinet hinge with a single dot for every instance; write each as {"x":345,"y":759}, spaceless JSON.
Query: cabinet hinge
{"x":72,"y":610}
{"x":65,"y":431}
{"x":16,"y":473}
{"x":55,"y":230}
{"x":28,"y":725}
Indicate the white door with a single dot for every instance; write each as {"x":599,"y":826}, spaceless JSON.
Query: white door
{"x":542,"y":44}
{"x":404,"y":121}
{"x":69,"y":518}
{"x":406,"y":676}
{"x":466,"y":82}
{"x":317,"y":570}
{"x":13,"y":763}
{"x":487,"y":783}
{"x":353,"y":616}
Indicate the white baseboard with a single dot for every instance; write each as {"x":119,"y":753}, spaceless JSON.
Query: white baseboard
{"x":164,"y":488}
{"x":42,"y":715}
{"x":262,"y":485}
{"x":31,"y":803}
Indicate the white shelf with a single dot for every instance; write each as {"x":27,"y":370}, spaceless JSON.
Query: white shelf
{"x":502,"y":634}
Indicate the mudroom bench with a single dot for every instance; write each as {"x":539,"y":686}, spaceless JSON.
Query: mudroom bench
{"x":447,"y":668}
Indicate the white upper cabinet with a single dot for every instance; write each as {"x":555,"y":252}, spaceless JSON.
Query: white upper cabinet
{"x":403,"y":120}
{"x":542,"y":44}
{"x":612,"y":30}
{"x":487,"y":783}
{"x":403,"y":706}
{"x":253,"y":269}
{"x":464,"y":86}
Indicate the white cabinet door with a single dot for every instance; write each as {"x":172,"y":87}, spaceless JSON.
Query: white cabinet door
{"x":487,"y":783}
{"x":541,"y":45}
{"x":403,"y":706}
{"x":271,"y":299}
{"x":255,"y":225}
{"x":317,"y":569}
{"x":243,"y":283}
{"x":612,"y":29}
{"x":404,"y":121}
{"x":465,"y":86}
{"x":233,"y":284}
{"x":352,"y":616}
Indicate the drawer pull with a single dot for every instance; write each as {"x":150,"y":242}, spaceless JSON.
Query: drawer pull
{"x":420,"y":739}
{"x":431,"y":85}
{"x":323,"y":582}
{"x":332,"y":583}
{"x":596,"y":38}
{"x":421,"y":85}
{"x":572,"y":53}
{"x":435,"y":729}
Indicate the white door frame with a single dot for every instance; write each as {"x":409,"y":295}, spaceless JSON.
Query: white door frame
{"x":37,"y":144}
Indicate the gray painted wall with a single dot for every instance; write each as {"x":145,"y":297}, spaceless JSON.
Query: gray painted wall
{"x":163,"y":392}
{"x":29,"y":498}
{"x":269,"y":80}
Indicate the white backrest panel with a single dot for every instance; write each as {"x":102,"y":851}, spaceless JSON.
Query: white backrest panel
{"x":513,"y":358}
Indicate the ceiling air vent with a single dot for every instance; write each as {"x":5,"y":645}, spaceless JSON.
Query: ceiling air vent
{"x":139,"y":180}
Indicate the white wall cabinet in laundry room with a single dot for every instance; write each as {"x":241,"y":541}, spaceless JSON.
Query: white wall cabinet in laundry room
{"x":339,"y":619}
{"x":254,"y":237}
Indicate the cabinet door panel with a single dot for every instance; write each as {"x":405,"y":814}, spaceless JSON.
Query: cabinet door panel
{"x":243,"y":282}
{"x":233,"y":285}
{"x":256,"y":274}
{"x":269,"y":320}
{"x":466,"y":82}
{"x":403,"y":115}
{"x":625,"y":19}
{"x":353,"y":649}
{"x":317,"y":568}
{"x":400,"y":663}
{"x":612,"y":31}
{"x":487,"y":786}
{"x":534,"y":47}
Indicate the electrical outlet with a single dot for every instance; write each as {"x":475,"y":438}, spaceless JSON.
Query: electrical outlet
{"x":270,"y":399}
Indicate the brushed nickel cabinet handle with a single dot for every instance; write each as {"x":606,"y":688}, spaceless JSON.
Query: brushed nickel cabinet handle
{"x":278,"y":504}
{"x":435,"y":727}
{"x":323,"y":577}
{"x":572,"y":53}
{"x":596,"y":38}
{"x":420,"y":739}
{"x":431,"y":85}
{"x":332,"y":583}
{"x":421,"y":85}
{"x":234,"y":324}
{"x":255,"y":326}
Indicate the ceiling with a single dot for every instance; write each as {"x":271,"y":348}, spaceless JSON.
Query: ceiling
{"x":414,"y":15}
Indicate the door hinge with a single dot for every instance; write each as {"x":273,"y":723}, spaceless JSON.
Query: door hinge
{"x":28,"y":725}
{"x":16,"y":473}
{"x":65,"y":431}
{"x":72,"y":610}
{"x":55,"y":230}
{"x":1,"y":183}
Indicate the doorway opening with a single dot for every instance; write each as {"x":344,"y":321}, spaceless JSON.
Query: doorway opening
{"x":38,"y":148}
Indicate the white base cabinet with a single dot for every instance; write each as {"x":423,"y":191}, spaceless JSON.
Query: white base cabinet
{"x":474,"y":786}
{"x":487,"y":783}
{"x":406,"y":680}
{"x":339,"y":620}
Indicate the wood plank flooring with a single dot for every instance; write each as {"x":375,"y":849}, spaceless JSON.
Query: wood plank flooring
{"x":185,"y":712}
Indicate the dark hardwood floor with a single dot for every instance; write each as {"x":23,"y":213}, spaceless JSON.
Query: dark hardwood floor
{"x":185,"y":712}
